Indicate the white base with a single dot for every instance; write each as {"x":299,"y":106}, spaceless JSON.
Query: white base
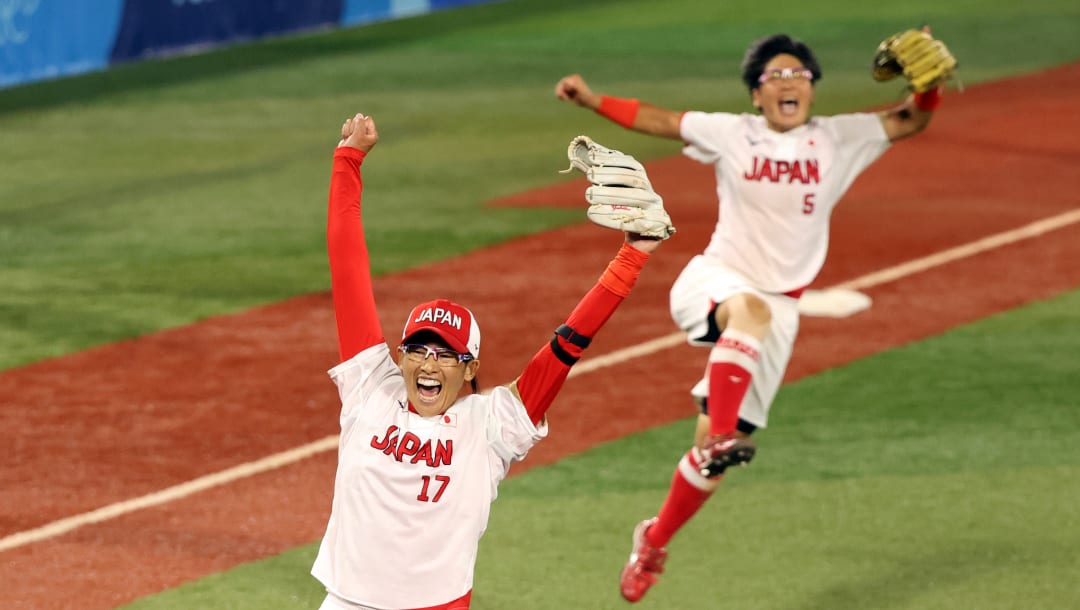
{"x":833,"y":303}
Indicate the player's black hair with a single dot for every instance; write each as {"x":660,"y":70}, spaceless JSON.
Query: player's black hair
{"x":762,"y":50}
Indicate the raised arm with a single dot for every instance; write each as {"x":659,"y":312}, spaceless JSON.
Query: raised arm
{"x":926,"y":63}
{"x":545,"y":374}
{"x":911,"y":116}
{"x":630,"y":113}
{"x":350,"y":270}
{"x":621,"y":197}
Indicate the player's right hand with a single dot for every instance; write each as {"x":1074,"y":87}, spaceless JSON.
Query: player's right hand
{"x":574,"y":89}
{"x":359,"y":132}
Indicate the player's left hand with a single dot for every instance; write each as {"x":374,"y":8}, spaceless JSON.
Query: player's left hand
{"x":648,"y":245}
{"x":923,"y":60}
{"x":621,"y":196}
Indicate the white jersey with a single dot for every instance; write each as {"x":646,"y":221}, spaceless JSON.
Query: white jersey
{"x":412,"y":494}
{"x":777,"y":190}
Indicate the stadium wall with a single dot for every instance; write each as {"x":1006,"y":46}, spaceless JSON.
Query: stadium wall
{"x":44,"y":39}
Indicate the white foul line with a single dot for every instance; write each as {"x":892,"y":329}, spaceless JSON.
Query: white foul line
{"x":869,"y":280}
{"x":62,"y":526}
{"x":1034,"y":229}
{"x":168,"y":494}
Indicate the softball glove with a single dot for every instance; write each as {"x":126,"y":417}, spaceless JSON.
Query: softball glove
{"x":924,"y":61}
{"x":621,"y":196}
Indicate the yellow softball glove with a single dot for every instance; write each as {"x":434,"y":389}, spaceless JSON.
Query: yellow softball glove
{"x":924,"y":61}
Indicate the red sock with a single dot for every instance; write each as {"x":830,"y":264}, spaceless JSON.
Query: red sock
{"x":732,"y":363}
{"x":687,"y":495}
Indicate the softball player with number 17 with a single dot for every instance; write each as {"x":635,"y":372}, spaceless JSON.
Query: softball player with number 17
{"x":779,"y":173}
{"x":418,"y":463}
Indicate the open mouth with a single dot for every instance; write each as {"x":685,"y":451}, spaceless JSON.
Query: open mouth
{"x":789,"y":106}
{"x":428,"y":389}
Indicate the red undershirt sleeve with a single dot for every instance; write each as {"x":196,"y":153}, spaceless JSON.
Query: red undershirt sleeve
{"x":350,"y":270}
{"x":545,"y":374}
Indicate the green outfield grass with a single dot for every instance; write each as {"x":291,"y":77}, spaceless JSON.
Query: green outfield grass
{"x":132,"y":200}
{"x":943,"y":475}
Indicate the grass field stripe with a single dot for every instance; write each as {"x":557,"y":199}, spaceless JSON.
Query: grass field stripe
{"x":56,"y":528}
{"x":651,"y":346}
{"x":1034,"y":229}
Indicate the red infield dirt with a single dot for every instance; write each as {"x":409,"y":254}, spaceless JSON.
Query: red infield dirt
{"x":128,"y":419}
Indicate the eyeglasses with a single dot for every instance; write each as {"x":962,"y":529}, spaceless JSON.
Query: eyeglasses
{"x":443,"y":356}
{"x":786,"y":74}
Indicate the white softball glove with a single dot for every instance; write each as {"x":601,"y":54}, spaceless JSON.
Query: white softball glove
{"x":621,"y":196}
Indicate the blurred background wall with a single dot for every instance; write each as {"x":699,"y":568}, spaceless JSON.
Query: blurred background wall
{"x":43,"y":39}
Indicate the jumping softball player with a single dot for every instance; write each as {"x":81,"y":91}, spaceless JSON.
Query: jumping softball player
{"x":779,"y":173}
{"x":418,"y":462}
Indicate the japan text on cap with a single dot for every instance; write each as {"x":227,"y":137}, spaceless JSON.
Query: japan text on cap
{"x":451,"y":322}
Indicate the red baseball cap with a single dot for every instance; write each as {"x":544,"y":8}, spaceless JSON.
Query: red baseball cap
{"x":452,"y":322}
